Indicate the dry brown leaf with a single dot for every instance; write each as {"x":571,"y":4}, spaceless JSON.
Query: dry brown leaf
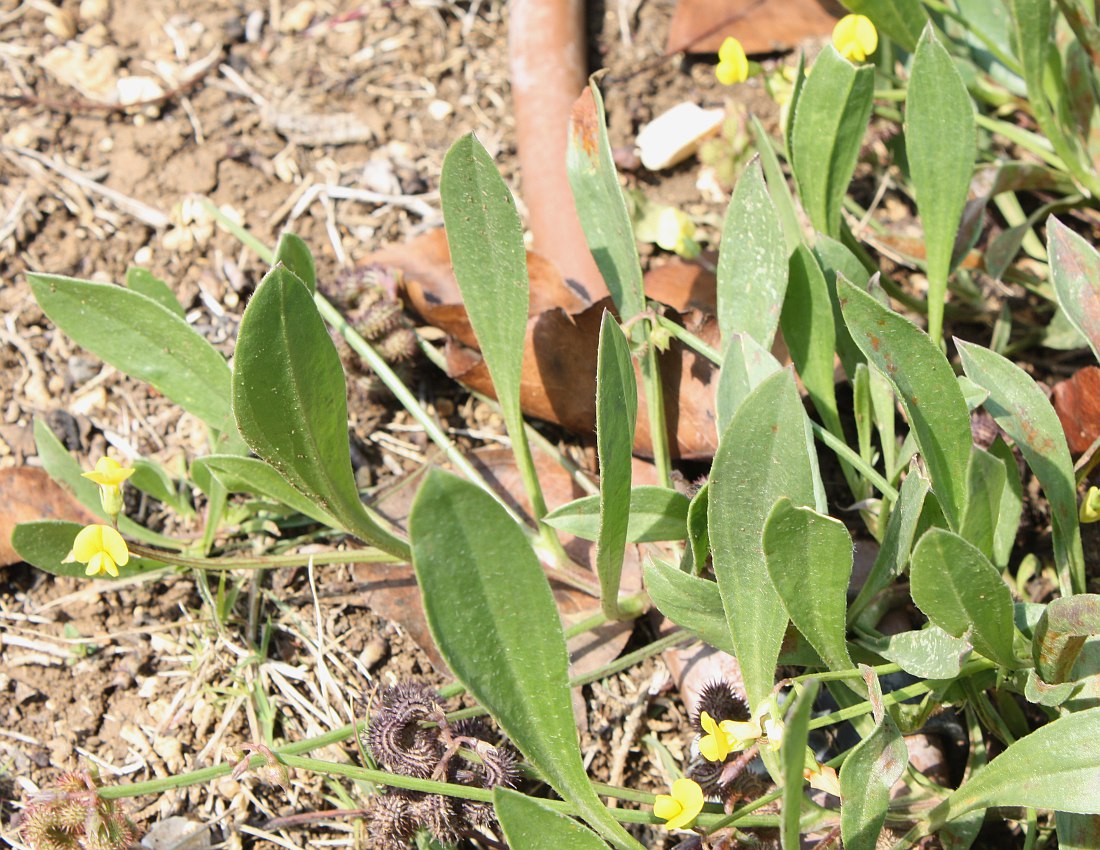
{"x":28,"y":494}
{"x":763,"y":26}
{"x":1077,"y":402}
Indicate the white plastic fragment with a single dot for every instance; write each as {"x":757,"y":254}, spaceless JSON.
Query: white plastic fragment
{"x":673,"y":136}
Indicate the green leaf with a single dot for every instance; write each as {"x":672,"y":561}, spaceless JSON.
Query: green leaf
{"x":778,"y":189}
{"x":1011,"y":507}
{"x":1023,"y":411}
{"x":153,"y":479}
{"x":986,"y":479}
{"x":45,"y":544}
{"x":1060,"y":635}
{"x":809,"y":559}
{"x":698,"y":530}
{"x":529,"y":824}
{"x":752,"y":262}
{"x":930,"y":653}
{"x":290,"y":401}
{"x":866,"y":777}
{"x":616,"y":416}
{"x":835,"y":258}
{"x":63,"y":468}
{"x":690,"y":602}
{"x":924,"y":383}
{"x":142,"y":338}
{"x":941,"y":146}
{"x":656,"y":513}
{"x":251,"y":475}
{"x":810,"y":334}
{"x":829,"y":122}
{"x":1077,"y":832}
{"x":761,"y":457}
{"x":1075,"y":273}
{"x":954,"y":584}
{"x":600,"y":204}
{"x":744,"y":365}
{"x":490,"y":609}
{"x":902,"y":20}
{"x":794,"y":762}
{"x":1052,"y":768}
{"x":295,"y":255}
{"x":148,"y":284}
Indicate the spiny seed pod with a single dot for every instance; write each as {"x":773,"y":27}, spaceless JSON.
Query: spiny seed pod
{"x":381,"y":318}
{"x":398,"y":346}
{"x":708,"y":774}
{"x":478,"y":814}
{"x":442,"y":817}
{"x":498,"y":766}
{"x":720,"y":701}
{"x":395,"y":735}
{"x":391,"y":821}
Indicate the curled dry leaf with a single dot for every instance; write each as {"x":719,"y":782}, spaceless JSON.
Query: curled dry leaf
{"x":1077,"y":403}
{"x":559,"y":368}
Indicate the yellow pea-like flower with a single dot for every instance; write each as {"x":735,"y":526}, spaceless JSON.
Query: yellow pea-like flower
{"x":733,"y":64}
{"x":676,"y":232}
{"x":823,"y":778}
{"x":1090,"y":506}
{"x":729,"y":736}
{"x":855,"y":37}
{"x":682,"y":806}
{"x":109,"y":474}
{"x":101,"y":548}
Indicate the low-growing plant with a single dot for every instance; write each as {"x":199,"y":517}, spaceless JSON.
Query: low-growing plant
{"x":763,"y":569}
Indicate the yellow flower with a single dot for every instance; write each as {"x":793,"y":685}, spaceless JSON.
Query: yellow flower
{"x":109,"y":475}
{"x":729,"y":736}
{"x":101,"y":548}
{"x":674,"y":233}
{"x":682,"y":806}
{"x":855,"y":37}
{"x":1090,"y":506}
{"x":823,"y":778}
{"x":733,"y":64}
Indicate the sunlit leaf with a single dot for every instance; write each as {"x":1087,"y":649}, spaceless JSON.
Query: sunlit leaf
{"x":46,"y":544}
{"x":656,"y":513}
{"x":529,"y":824}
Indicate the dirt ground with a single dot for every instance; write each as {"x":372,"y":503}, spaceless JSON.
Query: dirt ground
{"x":265,"y":108}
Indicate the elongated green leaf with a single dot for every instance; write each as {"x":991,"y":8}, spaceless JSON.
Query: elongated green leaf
{"x":866,"y":777}
{"x":1077,"y":832}
{"x":293,"y":253}
{"x":490,"y":609}
{"x":45,"y":544}
{"x":251,"y":475}
{"x":142,"y":338}
{"x":986,"y":479}
{"x":778,"y":189}
{"x":809,"y":559}
{"x":954,"y":584}
{"x":752,"y":262}
{"x":762,"y":456}
{"x":810,"y":334}
{"x":902,"y":20}
{"x":925,"y":383}
{"x":616,"y":416}
{"x":1061,"y":633}
{"x":1011,"y":507}
{"x":835,"y":258}
{"x":794,"y":762}
{"x":829,"y":122}
{"x":1023,"y":411}
{"x":529,"y":824}
{"x":690,"y":602}
{"x":744,"y":365}
{"x":1052,"y":768}
{"x":290,"y":401}
{"x":656,"y":513}
{"x":930,"y":653}
{"x":941,"y":146}
{"x":64,"y":469}
{"x":490,"y":263}
{"x":600,"y":204}
{"x":148,"y":284}
{"x":1031,"y":40}
{"x":1075,"y":273}
{"x":153,"y":479}
{"x":698,"y":530}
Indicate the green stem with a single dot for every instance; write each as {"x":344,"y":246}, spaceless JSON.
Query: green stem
{"x":843,"y":451}
{"x":688,"y":338}
{"x":655,"y":407}
{"x":1025,"y":139}
{"x":257,"y":562}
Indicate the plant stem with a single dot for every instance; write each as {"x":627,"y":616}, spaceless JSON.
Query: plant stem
{"x":655,"y":407}
{"x":258,"y":562}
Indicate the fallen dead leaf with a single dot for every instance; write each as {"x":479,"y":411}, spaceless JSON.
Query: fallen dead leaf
{"x":700,"y":26}
{"x":27,"y":493}
{"x":1077,"y":403}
